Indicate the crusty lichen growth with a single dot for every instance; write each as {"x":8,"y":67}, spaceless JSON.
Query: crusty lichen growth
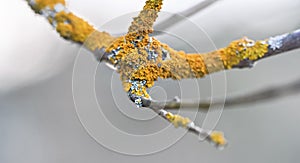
{"x":147,"y":60}
{"x":243,"y":49}
{"x":141,"y":59}
{"x":143,"y":23}
{"x":76,"y":29}
{"x":72,"y":27}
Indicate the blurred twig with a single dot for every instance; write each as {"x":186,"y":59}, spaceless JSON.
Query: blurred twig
{"x":178,"y":17}
{"x":251,"y":98}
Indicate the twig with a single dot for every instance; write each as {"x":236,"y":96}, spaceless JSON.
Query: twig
{"x":258,"y":96}
{"x":178,"y":17}
{"x":216,"y":138}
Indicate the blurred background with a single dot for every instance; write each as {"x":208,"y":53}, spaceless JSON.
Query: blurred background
{"x":40,"y":123}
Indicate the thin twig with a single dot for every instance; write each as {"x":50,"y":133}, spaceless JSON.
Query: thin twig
{"x":216,"y":138}
{"x":207,"y":135}
{"x":258,"y":96}
{"x":178,"y":17}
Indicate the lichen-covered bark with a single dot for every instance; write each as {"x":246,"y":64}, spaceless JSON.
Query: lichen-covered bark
{"x":148,"y":59}
{"x":143,"y":23}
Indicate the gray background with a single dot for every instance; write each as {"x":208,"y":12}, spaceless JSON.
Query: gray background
{"x":38,"y":121}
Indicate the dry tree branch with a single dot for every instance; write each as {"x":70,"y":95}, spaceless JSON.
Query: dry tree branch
{"x":141,"y":60}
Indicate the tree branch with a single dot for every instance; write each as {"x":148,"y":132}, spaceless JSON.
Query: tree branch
{"x":141,"y":59}
{"x":77,"y":30}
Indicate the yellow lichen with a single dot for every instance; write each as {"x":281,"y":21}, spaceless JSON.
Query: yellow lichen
{"x":134,"y":64}
{"x":98,"y":40}
{"x":72,"y":27}
{"x":218,"y":138}
{"x":177,"y":120}
{"x":133,"y":58}
{"x":242,"y":49}
{"x":76,"y":29}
